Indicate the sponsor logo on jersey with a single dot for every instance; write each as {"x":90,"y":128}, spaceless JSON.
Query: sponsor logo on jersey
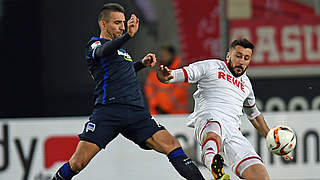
{"x":231,"y":79}
{"x":125,"y":55}
{"x":95,"y":44}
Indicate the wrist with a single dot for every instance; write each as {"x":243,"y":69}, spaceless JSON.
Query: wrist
{"x":140,"y":63}
{"x":138,"y":66}
{"x":130,"y":34}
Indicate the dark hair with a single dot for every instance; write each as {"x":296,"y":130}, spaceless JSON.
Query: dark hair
{"x":241,"y":42}
{"x":107,"y":8}
{"x":169,"y":48}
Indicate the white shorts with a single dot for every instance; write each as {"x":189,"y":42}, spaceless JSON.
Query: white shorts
{"x":237,"y":151}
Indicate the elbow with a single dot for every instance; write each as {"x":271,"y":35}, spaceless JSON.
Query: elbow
{"x":101,"y":52}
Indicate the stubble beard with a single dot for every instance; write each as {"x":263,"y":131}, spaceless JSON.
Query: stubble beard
{"x":234,"y":73}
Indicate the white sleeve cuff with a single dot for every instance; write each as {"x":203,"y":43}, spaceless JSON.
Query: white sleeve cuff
{"x":178,"y":76}
{"x":252,"y":112}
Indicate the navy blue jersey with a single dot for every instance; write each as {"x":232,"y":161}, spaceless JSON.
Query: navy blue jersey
{"x":114,"y":72}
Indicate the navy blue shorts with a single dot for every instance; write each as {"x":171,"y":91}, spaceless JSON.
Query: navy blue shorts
{"x":107,"y":121}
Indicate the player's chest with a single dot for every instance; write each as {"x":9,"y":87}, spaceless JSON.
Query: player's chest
{"x":225,"y":81}
{"x":118,"y":57}
{"x":122,"y":55}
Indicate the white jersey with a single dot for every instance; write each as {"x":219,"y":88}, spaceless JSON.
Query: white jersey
{"x":219,"y":92}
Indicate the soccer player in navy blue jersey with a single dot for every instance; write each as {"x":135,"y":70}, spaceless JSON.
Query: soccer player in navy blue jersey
{"x":119,"y":104}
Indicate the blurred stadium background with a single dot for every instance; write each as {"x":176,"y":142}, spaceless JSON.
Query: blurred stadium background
{"x":45,"y":94}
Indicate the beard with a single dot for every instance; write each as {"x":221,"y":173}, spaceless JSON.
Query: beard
{"x":236,"y":73}
{"x":116,"y":35}
{"x":113,"y":35}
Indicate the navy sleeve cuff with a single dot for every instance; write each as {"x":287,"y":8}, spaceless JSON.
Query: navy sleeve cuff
{"x":138,"y":66}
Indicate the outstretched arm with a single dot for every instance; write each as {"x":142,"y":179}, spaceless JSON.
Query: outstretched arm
{"x":260,"y":124}
{"x":166,"y":75}
{"x":191,"y":74}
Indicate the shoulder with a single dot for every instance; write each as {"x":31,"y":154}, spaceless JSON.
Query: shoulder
{"x":95,"y":42}
{"x":245,"y":77}
{"x":209,"y":63}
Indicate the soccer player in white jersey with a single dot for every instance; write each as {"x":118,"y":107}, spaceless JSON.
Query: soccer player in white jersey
{"x":223,"y":92}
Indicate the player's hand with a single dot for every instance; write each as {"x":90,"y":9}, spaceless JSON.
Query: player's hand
{"x":133,"y":25}
{"x":164,"y":74}
{"x":287,"y":157}
{"x":149,"y":60}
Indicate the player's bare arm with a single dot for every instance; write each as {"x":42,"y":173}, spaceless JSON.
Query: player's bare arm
{"x":260,"y":124}
{"x":133,"y":25}
{"x":164,"y":74}
{"x":149,"y":60}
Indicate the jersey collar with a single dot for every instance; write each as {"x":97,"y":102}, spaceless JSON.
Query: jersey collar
{"x":99,"y":39}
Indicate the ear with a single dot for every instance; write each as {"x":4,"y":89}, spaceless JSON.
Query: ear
{"x":102,"y":23}
{"x":228,"y":56}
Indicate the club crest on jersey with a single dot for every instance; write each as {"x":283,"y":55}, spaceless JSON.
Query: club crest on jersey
{"x":231,"y":79}
{"x":90,"y":127}
{"x":125,"y":55}
{"x":95,"y":44}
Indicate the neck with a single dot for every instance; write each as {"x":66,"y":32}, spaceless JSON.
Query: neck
{"x":105,"y":36}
